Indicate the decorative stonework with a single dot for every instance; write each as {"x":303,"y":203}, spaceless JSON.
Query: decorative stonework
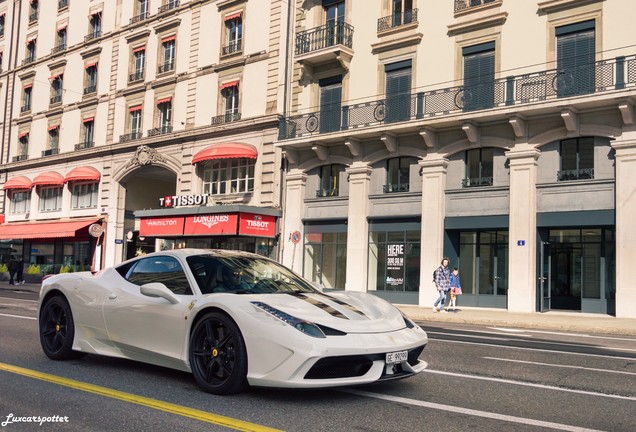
{"x":145,"y":156}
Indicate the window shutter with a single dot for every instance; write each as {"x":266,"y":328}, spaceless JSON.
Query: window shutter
{"x":575,"y":60}
{"x":479,"y":76}
{"x":330,"y":100}
{"x":398,"y":94}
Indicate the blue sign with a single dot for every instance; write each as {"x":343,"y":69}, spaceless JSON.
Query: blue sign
{"x":119,"y":241}
{"x":521,"y":242}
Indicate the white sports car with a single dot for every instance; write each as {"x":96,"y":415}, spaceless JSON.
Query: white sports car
{"x":231,"y":318}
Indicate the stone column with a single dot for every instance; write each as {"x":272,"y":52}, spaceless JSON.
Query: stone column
{"x":625,"y":228}
{"x":433,"y":214}
{"x":293,"y":213}
{"x":359,"y":175}
{"x":522,"y":248}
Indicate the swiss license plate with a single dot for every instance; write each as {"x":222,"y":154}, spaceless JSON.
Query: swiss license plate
{"x":397,"y":357}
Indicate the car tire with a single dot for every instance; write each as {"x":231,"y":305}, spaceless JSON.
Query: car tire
{"x":218,"y":357}
{"x":57,"y":329}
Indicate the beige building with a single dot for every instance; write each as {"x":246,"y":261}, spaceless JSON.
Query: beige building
{"x":137,"y":125}
{"x":499,"y":133}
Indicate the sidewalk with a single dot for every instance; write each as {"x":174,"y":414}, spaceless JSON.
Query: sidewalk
{"x":553,"y":321}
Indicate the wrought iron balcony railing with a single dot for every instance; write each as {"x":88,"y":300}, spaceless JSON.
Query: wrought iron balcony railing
{"x":28,"y":60}
{"x":322,"y":193}
{"x":136,"y":76}
{"x":19,"y":158}
{"x":85,"y":145}
{"x":130,"y":136}
{"x":93,"y":35}
{"x":390,"y":188}
{"x":169,"y":6}
{"x":25,"y":108}
{"x":461,"y":5}
{"x":140,"y":17}
{"x":160,"y":130}
{"x":598,"y":77}
{"x":56,"y":99}
{"x":226,"y":118}
{"x":476,"y":181}
{"x":575,"y":174}
{"x":61,"y":4}
{"x":90,"y":89}
{"x":166,"y":67}
{"x":335,"y":33}
{"x":50,"y":152}
{"x":60,"y":47}
{"x":233,"y":48}
{"x":397,"y":20}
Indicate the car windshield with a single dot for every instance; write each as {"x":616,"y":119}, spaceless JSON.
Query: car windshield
{"x":245,"y":275}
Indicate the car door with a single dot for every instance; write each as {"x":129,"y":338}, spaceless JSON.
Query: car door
{"x":145,"y":328}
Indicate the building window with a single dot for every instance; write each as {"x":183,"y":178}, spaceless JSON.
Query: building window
{"x":326,"y":257}
{"x":227,"y":176}
{"x":402,"y":12}
{"x":56,"y":88}
{"x":329,"y":180}
{"x":577,"y":159}
{"x":54,"y":141}
{"x":31,"y":49}
{"x":84,"y":195}
{"x":34,"y":11}
{"x":61,"y":4}
{"x":138,"y":64}
{"x":168,"y":5}
{"x":1,"y":58}
{"x":397,"y":176}
{"x":94,"y":26}
{"x":88,"y":126}
{"x":91,"y":78}
{"x":167,"y":54}
{"x":163,"y":118}
{"x":394,"y":257}
{"x":23,"y":147}
{"x":141,"y":11}
{"x":135,"y":122}
{"x":61,"y":39}
{"x":233,"y":33}
{"x":479,"y":77}
{"x":27,"y":97}
{"x":483,"y":262}
{"x":230,"y":95}
{"x":50,"y":199}
{"x":20,"y":201}
{"x":479,"y":167}
{"x":2,"y":25}
{"x":330,"y":103}
{"x":398,"y":91}
{"x":575,"y":59}
{"x":335,"y":22}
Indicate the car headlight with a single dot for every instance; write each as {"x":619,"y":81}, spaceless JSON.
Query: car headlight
{"x":306,"y":327}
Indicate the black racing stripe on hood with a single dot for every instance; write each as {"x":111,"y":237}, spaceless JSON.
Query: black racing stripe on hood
{"x":341,"y":303}
{"x":330,"y":310}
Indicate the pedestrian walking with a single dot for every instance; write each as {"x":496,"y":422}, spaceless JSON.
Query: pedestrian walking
{"x":455,"y":289}
{"x":441,"y":278}
{"x":19,"y":274}
{"x":13,"y":268}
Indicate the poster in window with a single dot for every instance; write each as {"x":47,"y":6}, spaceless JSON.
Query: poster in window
{"x":395,"y":266}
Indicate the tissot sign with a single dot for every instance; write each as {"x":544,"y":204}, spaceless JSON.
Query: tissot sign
{"x":183,"y":200}
{"x":257,"y":225}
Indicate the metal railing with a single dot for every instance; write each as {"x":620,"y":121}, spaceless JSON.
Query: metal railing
{"x":391,"y":188}
{"x":397,"y":20}
{"x":575,"y":174}
{"x":129,"y":136}
{"x":56,"y":98}
{"x":166,"y":67}
{"x":28,"y":60}
{"x":322,"y":193}
{"x":90,"y":89}
{"x":60,"y":47}
{"x":25,"y":108}
{"x":476,"y":181}
{"x":160,"y":130}
{"x":461,"y":5}
{"x":61,"y":4}
{"x":50,"y":152}
{"x":336,"y":33}
{"x":597,"y":77}
{"x":93,"y":35}
{"x":140,"y":17}
{"x":19,"y":158}
{"x":136,"y":76}
{"x":233,"y":47}
{"x":226,"y":118}
{"x":85,"y":145}
{"x":168,"y":6}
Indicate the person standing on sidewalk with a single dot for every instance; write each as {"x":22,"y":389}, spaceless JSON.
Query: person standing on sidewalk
{"x":455,"y":288}
{"x":442,"y":283}
{"x":13,"y":268}
{"x":19,"y":274}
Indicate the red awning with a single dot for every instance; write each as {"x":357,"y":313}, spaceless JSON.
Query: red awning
{"x":43,"y":229}
{"x":86,"y":66}
{"x":23,"y":134}
{"x":141,"y":48}
{"x":232,"y":16}
{"x":19,"y":182}
{"x":83,"y":173}
{"x":168,"y":39}
{"x":229,"y":84}
{"x":135,"y":108}
{"x":225,"y":151}
{"x":164,"y":100}
{"x":49,"y":178}
{"x":53,"y":127}
{"x":88,"y":119}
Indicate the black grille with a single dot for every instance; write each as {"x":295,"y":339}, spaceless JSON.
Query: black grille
{"x":340,"y":367}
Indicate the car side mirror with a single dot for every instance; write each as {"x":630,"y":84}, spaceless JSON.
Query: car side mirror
{"x":157,"y":289}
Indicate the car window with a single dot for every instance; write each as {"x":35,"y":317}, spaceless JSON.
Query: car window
{"x":164,"y":269}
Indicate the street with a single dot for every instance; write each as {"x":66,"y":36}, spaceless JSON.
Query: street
{"x":479,"y":378}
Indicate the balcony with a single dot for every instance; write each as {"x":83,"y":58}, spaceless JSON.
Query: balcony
{"x":462,"y":5}
{"x":397,"y":20}
{"x":576,"y":174}
{"x":233,"y":48}
{"x":25,"y":108}
{"x":50,"y":152}
{"x":392,"y":188}
{"x":90,"y":89}
{"x":595,"y":78}
{"x":61,"y":4}
{"x":476,"y":181}
{"x":28,"y":60}
{"x":226,"y":118}
{"x":59,"y":48}
{"x":19,"y":158}
{"x":169,"y":6}
{"x":93,"y":35}
{"x":324,"y":44}
{"x":140,"y":17}
{"x":160,"y":130}
{"x":136,"y":76}
{"x":85,"y":145}
{"x":130,"y":136}
{"x":55,"y":99}
{"x":166,"y":67}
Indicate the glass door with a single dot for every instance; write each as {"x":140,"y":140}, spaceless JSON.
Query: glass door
{"x":544,"y":276}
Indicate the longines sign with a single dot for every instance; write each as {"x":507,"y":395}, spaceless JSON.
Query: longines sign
{"x":183,"y":200}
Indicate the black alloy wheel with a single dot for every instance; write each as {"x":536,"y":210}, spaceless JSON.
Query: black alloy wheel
{"x":57,"y":329}
{"x":218,"y":357}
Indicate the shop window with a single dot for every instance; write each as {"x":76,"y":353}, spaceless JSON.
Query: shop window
{"x":20,"y":201}
{"x":479,"y":167}
{"x":90,"y":78}
{"x":397,"y":177}
{"x":329,"y":180}
{"x":84,"y":195}
{"x":167,"y":56}
{"x":50,"y":199}
{"x":138,"y":64}
{"x":394,"y":259}
{"x":326,"y":258}
{"x":577,"y":159}
{"x":483,"y":262}
{"x":228,"y":176}
{"x":233,"y":34}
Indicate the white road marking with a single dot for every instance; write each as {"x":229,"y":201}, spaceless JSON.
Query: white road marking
{"x":18,"y":316}
{"x":501,"y":333}
{"x":561,"y":366}
{"x":528,"y":384}
{"x":565,"y":334}
{"x":468,"y":411}
{"x":23,"y":300}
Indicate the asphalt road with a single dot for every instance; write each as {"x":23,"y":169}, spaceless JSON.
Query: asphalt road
{"x":479,"y":379}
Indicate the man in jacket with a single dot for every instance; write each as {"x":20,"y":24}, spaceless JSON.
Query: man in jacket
{"x":442,"y":283}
